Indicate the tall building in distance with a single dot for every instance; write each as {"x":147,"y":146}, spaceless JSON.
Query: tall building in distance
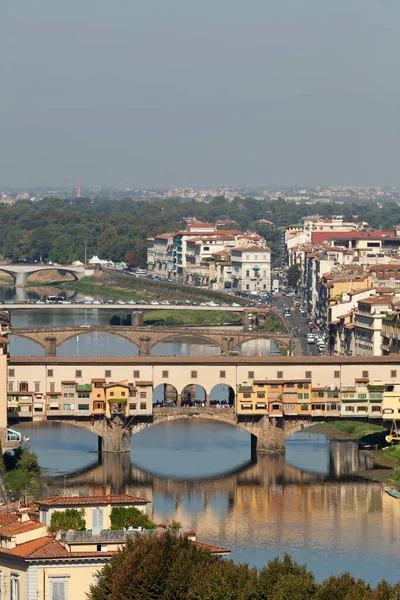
{"x":78,"y":190}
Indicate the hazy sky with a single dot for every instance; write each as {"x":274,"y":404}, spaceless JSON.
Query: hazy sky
{"x":205,"y":92}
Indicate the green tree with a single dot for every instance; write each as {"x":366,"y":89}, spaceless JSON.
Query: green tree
{"x":293,"y":276}
{"x":286,"y":579}
{"x":122,"y":518}
{"x":107,"y":244}
{"x":344,"y":587}
{"x":71,"y":518}
{"x":152,"y":567}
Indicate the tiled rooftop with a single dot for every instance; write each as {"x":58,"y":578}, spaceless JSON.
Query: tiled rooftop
{"x":91,"y":500}
{"x":199,"y":360}
{"x":16,"y":527}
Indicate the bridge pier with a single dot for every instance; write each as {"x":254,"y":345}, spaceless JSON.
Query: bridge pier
{"x":270,"y":438}
{"x":51,"y":346}
{"x":227,"y":345}
{"x":144,"y":346}
{"x":20,"y":279}
{"x":137,"y":318}
{"x":114,"y":436}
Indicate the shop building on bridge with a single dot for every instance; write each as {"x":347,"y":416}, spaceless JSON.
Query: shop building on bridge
{"x":46,"y":387}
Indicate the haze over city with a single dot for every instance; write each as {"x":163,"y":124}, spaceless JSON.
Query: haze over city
{"x":199,"y":94}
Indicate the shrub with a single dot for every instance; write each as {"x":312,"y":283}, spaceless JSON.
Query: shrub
{"x":71,"y":518}
{"x":122,"y":518}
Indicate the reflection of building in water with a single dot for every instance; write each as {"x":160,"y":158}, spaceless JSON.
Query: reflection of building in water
{"x":258,"y":348}
{"x":345,"y":459}
{"x":264,"y":502}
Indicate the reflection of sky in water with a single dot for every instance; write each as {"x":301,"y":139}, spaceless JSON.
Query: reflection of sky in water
{"x":311,"y":456}
{"x":176,"y":450}
{"x":60,"y":449}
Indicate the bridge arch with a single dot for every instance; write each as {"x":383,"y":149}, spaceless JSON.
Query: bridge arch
{"x":34,"y":348}
{"x":91,"y":334}
{"x":222,"y":417}
{"x":13,"y":275}
{"x":38,"y":270}
{"x":189,"y":338}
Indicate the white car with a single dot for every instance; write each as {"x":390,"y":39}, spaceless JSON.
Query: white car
{"x":310,"y":338}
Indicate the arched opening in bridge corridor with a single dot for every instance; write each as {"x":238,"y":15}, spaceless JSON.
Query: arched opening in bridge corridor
{"x":193,"y":395}
{"x":20,"y":346}
{"x":222,"y":395}
{"x":186,"y":346}
{"x":97,"y":344}
{"x":258,"y":347}
{"x":165,"y":395}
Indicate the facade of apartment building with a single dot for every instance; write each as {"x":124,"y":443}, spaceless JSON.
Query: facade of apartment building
{"x":200,"y":255}
{"x":251,"y":269}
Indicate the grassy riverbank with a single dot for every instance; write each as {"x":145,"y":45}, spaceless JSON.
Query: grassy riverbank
{"x":187,"y":318}
{"x":352,"y":430}
{"x":105,"y":290}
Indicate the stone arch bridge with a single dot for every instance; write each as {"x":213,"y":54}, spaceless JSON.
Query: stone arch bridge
{"x":268,"y":434}
{"x":145,"y":338}
{"x":20,"y":273}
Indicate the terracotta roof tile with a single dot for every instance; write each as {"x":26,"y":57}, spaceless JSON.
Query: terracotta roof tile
{"x":43,"y":547}
{"x":16,"y":527}
{"x":7,"y":518}
{"x":91,"y":500}
{"x":200,"y":360}
{"x":211,"y":548}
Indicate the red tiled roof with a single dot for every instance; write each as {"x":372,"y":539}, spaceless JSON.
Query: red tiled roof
{"x":15,"y":528}
{"x":202,"y":360}
{"x":3,"y":340}
{"x":143,"y":383}
{"x":375,"y":300}
{"x":7,"y":518}
{"x":211,"y":548}
{"x":43,"y":547}
{"x":91,"y":500}
{"x":49,"y":547}
{"x":317,"y":237}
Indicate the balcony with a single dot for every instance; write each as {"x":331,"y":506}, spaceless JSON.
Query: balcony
{"x":104,"y":536}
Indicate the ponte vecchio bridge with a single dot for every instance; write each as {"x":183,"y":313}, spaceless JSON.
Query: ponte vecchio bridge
{"x":273,"y":397}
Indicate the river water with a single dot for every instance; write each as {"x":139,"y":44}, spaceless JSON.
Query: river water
{"x":314,"y":503}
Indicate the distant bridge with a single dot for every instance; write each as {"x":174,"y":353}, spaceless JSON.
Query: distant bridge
{"x":116,"y":306}
{"x":145,"y":338}
{"x":20,"y":273}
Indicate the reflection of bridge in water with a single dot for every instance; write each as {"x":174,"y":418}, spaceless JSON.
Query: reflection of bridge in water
{"x":114,"y":473}
{"x":266,"y":504}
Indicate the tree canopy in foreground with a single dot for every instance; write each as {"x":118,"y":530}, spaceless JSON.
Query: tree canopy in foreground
{"x":171,"y":567}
